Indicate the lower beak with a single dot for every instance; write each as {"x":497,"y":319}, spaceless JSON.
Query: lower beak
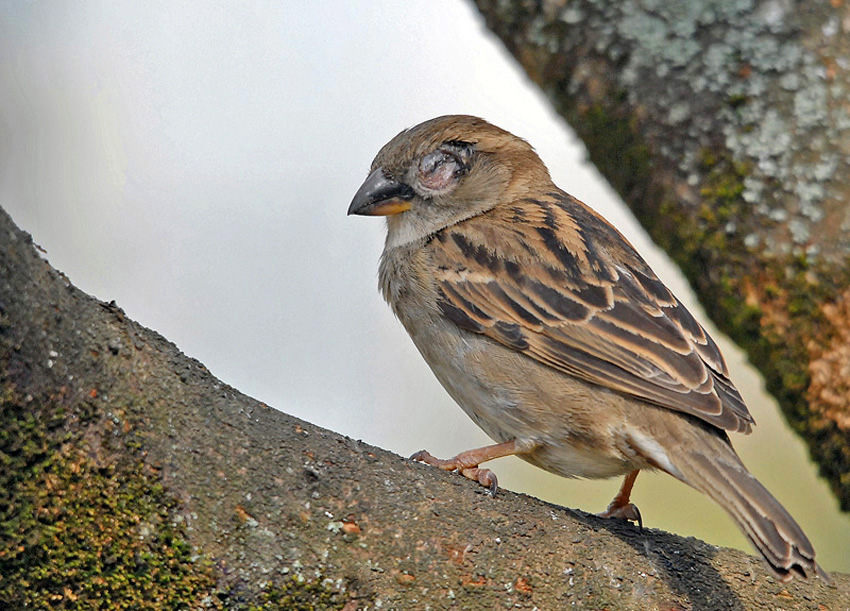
{"x":381,"y":196}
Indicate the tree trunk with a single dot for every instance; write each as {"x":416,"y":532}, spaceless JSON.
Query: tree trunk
{"x":132,"y":479}
{"x":726,"y":127}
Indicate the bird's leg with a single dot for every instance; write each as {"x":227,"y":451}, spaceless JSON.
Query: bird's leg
{"x":467,"y":462}
{"x":620,"y":507}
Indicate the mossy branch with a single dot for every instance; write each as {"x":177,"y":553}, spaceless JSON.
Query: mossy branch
{"x":131,"y":478}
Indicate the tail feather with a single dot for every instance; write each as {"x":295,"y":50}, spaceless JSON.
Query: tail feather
{"x":771,"y":529}
{"x":702,"y":457}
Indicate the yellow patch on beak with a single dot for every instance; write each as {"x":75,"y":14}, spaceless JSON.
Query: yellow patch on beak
{"x":388,"y":207}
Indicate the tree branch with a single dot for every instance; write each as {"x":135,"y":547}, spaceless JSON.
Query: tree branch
{"x":132,"y":478}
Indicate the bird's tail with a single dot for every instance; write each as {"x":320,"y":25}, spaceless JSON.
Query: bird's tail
{"x":715,"y":469}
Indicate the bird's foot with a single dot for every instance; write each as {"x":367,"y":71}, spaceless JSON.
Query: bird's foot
{"x":467,"y":462}
{"x":485,"y":477}
{"x":628,"y":512}
{"x":620,"y":507}
{"x":463,"y":463}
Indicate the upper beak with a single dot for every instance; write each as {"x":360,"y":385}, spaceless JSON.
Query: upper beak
{"x":381,"y":196}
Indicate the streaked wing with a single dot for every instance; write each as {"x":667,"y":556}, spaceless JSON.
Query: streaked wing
{"x":539,"y":276}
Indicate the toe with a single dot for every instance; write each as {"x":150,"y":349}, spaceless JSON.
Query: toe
{"x":485,"y":477}
{"x":425,"y":456}
{"x":422,"y":456}
{"x":628,"y":512}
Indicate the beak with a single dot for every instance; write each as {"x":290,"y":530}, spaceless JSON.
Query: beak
{"x":381,"y":196}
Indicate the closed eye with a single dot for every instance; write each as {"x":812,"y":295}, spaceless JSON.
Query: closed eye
{"x":441,"y":170}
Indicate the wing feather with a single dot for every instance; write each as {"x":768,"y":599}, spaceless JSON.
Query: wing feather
{"x":540,"y":277}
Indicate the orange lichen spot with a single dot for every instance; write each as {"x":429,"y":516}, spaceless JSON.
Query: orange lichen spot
{"x":476,"y":581}
{"x":243,"y":515}
{"x":829,"y":367}
{"x":405,"y":579}
{"x":523,"y":585}
{"x":350,"y":527}
{"x":69,"y":595}
{"x":456,"y":554}
{"x":831,"y":68}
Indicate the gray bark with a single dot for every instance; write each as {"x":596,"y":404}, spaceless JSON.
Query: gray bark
{"x":132,"y":478}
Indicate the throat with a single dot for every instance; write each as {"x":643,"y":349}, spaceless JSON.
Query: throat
{"x":405,"y":233}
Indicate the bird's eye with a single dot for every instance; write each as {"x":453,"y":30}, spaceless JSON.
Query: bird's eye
{"x":440,"y":170}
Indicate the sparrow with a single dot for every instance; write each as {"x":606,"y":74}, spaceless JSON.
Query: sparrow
{"x":552,"y":333}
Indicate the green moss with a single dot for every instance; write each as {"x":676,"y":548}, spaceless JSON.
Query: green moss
{"x":294,"y":595}
{"x":79,"y":531}
{"x":723,"y":184}
{"x":614,"y":146}
{"x":737,"y":100}
{"x":85,"y":528}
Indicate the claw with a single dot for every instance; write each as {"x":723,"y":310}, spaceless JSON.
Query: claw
{"x":485,"y":477}
{"x":421,"y":456}
{"x":628,"y":512}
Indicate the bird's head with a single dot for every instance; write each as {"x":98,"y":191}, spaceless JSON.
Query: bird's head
{"x":444,"y":171}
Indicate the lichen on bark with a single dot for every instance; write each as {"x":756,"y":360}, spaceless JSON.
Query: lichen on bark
{"x":725,"y":127}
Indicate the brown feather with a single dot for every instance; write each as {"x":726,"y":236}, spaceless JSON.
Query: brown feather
{"x":560,"y":300}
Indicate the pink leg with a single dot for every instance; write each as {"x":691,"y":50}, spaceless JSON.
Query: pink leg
{"x":467,"y":462}
{"x":620,"y":507}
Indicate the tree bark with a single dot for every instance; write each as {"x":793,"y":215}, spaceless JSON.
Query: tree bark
{"x":725,"y":126}
{"x":131,"y":478}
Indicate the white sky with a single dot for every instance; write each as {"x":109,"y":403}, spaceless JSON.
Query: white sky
{"x":194,"y":162}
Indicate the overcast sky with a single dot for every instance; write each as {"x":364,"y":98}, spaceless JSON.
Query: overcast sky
{"x":194,"y":162}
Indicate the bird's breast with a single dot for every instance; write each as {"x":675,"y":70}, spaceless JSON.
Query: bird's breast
{"x":506,"y":393}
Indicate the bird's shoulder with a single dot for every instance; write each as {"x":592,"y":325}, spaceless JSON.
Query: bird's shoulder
{"x":553,"y":237}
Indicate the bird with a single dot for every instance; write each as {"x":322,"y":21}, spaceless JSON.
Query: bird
{"x":550,"y":331}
